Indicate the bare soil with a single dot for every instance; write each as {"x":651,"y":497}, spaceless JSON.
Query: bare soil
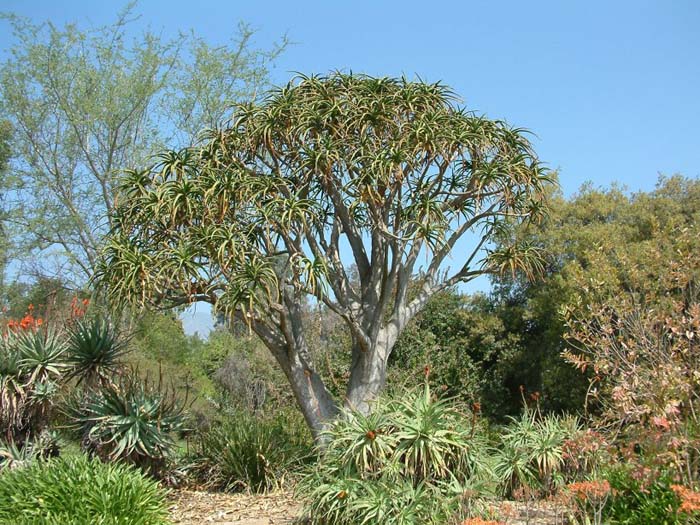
{"x":191,"y":507}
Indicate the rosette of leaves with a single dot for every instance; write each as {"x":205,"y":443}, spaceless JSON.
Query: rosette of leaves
{"x":398,"y":464}
{"x":130,"y":420}
{"x":41,"y":354}
{"x":32,"y":364}
{"x":531,"y":452}
{"x":95,"y":351}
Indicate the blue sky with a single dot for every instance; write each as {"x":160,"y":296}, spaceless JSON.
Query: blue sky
{"x":610,"y":88}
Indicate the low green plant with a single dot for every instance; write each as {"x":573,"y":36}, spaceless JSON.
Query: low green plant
{"x":408,"y":462}
{"x":95,"y":351}
{"x":32,"y":365}
{"x":531,"y":452}
{"x":132,"y":420}
{"x":640,"y":497}
{"x":256,"y":453}
{"x":12,"y":456}
{"x":77,"y":491}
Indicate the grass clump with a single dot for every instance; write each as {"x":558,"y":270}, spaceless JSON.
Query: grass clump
{"x":253,"y":453}
{"x":78,"y":490}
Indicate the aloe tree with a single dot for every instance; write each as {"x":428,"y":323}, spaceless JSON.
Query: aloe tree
{"x":323,"y":174}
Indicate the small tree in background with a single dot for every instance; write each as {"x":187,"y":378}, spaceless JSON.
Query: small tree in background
{"x":263,"y":215}
{"x":86,"y":102}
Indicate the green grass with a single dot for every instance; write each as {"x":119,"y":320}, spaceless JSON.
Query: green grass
{"x":79,"y":491}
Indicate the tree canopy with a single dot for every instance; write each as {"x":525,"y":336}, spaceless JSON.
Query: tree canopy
{"x":85,"y":103}
{"x":327,"y":172}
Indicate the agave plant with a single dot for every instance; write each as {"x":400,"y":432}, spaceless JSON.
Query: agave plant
{"x":13,"y":394}
{"x":41,"y":354}
{"x":364,"y":443}
{"x":433,"y":438}
{"x":95,"y":350}
{"x":13,"y":456}
{"x":399,"y":465}
{"x":531,"y":452}
{"x":31,"y":364}
{"x":130,"y":420}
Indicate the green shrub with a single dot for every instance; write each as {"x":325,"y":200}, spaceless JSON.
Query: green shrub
{"x":245,"y":452}
{"x":641,"y":500}
{"x":531,"y":453}
{"x":78,"y":491}
{"x":95,"y":351}
{"x":405,"y":463}
{"x":32,"y":365}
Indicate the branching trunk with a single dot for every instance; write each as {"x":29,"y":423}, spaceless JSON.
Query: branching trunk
{"x":288,"y":345}
{"x":369,"y":369}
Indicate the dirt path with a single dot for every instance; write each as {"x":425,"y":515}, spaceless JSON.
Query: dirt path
{"x":189,"y":507}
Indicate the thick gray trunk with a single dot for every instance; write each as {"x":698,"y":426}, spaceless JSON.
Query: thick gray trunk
{"x":368,"y":372}
{"x":316,"y":403}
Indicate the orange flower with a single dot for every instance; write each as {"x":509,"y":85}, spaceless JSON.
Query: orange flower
{"x":590,"y":490}
{"x":690,"y":500}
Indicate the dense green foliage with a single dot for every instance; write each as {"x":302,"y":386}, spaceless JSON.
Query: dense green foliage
{"x":636,"y":501}
{"x":252,"y":218}
{"x":77,"y":491}
{"x":421,"y":459}
{"x":130,"y":420}
{"x":484,"y":348}
{"x":396,"y":464}
{"x":586,"y":237}
{"x":246,"y":452}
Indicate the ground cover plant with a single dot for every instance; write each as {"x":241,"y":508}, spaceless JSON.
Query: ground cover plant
{"x":78,"y":490}
{"x":396,"y":465}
